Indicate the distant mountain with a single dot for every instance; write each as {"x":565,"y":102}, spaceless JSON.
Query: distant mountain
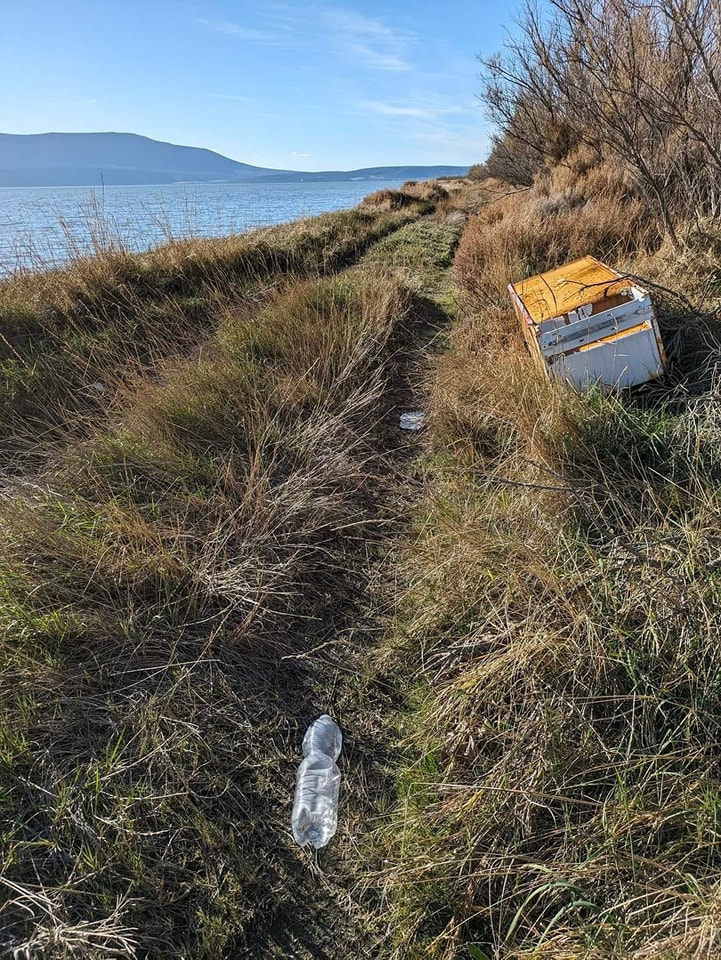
{"x":89,"y":159}
{"x":79,"y":159}
{"x":367,"y":173}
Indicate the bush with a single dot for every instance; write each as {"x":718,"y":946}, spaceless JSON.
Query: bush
{"x":562,"y":217}
{"x":574,"y":75}
{"x":427,"y":192}
{"x":387,"y":200}
{"x":512,"y":161}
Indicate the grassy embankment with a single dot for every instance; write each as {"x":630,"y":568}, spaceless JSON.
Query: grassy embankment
{"x":195,"y":498}
{"x":562,"y":788}
{"x":111,"y":316}
{"x":565,"y":584}
{"x":234,"y":537}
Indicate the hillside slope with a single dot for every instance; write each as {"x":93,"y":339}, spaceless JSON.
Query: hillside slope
{"x":50,"y":159}
{"x":86,"y":159}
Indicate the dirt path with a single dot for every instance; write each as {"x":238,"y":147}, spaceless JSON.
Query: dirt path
{"x":334,"y":912}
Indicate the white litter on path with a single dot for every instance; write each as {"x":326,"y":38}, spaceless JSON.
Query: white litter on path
{"x":413,"y":420}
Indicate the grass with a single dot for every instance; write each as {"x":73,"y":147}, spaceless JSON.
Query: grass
{"x":513,"y":616}
{"x":560,"y":791}
{"x":573,"y":212}
{"x":185,"y":584}
{"x":74,"y":339}
{"x":162,"y":577}
{"x":425,"y":247}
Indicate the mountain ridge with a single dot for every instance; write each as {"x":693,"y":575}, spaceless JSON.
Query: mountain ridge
{"x":92,"y":159}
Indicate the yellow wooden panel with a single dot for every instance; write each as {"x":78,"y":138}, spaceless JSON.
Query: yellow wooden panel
{"x":554,"y":293}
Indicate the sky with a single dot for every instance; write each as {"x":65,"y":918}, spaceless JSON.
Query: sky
{"x":303,"y":86}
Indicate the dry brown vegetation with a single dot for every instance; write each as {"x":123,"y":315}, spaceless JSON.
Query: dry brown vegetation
{"x":387,"y":200}
{"x":425,"y":190}
{"x":562,"y":787}
{"x":635,"y":81}
{"x":72,"y":339}
{"x":575,"y":210}
{"x":221,"y":550}
{"x":514,"y":618}
{"x":159,"y":581}
{"x":412,"y":192}
{"x":186,"y":562}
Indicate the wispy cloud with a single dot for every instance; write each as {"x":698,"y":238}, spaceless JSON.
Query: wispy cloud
{"x":236,"y":30}
{"x":390,"y":110}
{"x":471,"y":142}
{"x":443,"y":126}
{"x":428,"y":111}
{"x":302,"y":156}
{"x":368,"y":42}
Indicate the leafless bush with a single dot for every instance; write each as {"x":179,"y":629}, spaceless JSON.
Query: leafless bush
{"x":512,"y":161}
{"x":638,"y":81}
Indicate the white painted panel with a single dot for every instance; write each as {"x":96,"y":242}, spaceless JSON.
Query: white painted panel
{"x":557,"y":336}
{"x":621,"y":363}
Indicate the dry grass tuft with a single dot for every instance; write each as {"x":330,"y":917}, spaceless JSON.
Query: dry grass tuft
{"x":72,"y":339}
{"x":563,"y":216}
{"x":387,"y":199}
{"x":425,"y":190}
{"x":562,"y":790}
{"x":178,"y":588}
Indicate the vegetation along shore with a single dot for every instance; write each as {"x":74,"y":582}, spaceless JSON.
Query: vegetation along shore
{"x":212,"y":530}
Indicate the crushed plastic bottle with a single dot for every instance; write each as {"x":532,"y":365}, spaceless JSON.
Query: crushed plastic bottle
{"x":315,"y":809}
{"x":413,"y":420}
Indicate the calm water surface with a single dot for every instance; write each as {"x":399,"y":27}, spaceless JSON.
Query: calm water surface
{"x":45,"y":226}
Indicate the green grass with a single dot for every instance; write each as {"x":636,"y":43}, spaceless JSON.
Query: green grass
{"x":426,"y":245}
{"x":561,"y":789}
{"x":166,"y":580}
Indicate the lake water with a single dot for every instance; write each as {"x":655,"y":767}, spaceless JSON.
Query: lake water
{"x":45,"y":226}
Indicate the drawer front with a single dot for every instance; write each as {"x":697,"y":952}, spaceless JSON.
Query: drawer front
{"x":619,"y":362}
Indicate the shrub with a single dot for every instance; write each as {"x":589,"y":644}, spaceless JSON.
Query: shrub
{"x":387,"y":200}
{"x":428,"y":190}
{"x":635,"y":82}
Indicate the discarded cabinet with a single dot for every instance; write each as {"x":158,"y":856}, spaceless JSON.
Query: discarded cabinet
{"x":587,"y":324}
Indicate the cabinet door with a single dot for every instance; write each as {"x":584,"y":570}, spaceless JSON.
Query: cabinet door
{"x":615,"y":362}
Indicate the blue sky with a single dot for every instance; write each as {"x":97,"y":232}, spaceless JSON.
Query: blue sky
{"x":312,"y":86}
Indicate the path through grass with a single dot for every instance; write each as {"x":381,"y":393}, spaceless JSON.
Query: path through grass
{"x":185,"y":584}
